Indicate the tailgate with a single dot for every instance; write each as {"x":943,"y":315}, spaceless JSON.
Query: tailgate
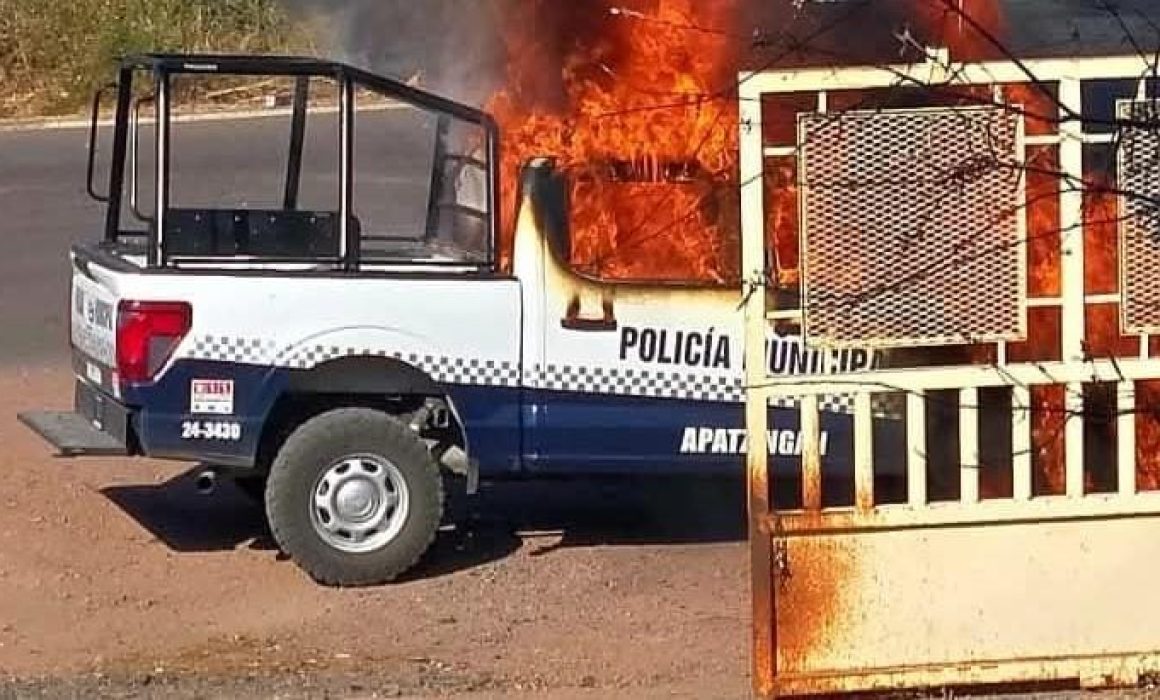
{"x":93,"y":323}
{"x":99,"y":423}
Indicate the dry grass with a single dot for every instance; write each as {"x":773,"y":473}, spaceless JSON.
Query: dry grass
{"x":54,"y":53}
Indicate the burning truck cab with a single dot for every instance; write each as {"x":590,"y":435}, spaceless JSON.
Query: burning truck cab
{"x":337,"y":322}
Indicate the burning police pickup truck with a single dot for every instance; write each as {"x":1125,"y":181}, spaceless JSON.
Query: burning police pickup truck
{"x":341,"y":337}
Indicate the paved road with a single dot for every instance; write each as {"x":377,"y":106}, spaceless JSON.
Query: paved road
{"x":43,"y":210}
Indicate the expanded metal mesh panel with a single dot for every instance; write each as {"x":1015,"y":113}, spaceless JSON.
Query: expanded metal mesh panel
{"x":912,"y":230}
{"x":1139,"y":179}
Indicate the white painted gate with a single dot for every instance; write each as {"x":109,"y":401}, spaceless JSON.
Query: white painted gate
{"x":1001,"y":526}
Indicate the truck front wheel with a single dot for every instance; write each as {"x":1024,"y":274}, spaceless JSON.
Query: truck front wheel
{"x":354,"y":497}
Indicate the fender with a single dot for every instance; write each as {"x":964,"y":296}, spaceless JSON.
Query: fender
{"x":372,"y":375}
{"x":364,"y":375}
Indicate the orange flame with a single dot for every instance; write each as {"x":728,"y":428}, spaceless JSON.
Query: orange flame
{"x":781,"y":221}
{"x":1148,"y":435}
{"x":1103,"y":335}
{"x":1101,"y":254}
{"x":631,"y":104}
{"x":1043,"y":223}
{"x":969,"y":28}
{"x":631,"y":100}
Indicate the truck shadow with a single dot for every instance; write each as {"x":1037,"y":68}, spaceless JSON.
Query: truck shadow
{"x":542,"y":516}
{"x":545,"y":516}
{"x":186,"y":521}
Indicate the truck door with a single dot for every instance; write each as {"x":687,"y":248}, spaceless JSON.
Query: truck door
{"x":621,"y":377}
{"x":635,"y":377}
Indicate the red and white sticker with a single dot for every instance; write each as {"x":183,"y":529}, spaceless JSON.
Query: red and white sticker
{"x":212,"y":396}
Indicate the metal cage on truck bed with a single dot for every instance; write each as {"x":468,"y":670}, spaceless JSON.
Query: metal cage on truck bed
{"x":330,"y":108}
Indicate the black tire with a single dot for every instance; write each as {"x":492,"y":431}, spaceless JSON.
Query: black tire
{"x":309,"y":453}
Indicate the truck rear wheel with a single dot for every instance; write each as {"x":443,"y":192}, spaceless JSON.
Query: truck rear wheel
{"x":354,"y":497}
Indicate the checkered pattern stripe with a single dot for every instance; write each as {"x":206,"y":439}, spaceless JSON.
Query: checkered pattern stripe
{"x":677,"y":385}
{"x":450,"y":370}
{"x":480,"y":372}
{"x":252,"y":351}
{"x":635,"y":382}
{"x":472,"y":371}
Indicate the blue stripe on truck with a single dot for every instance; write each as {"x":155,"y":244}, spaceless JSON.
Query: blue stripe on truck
{"x":555,"y":432}
{"x":163,"y":407}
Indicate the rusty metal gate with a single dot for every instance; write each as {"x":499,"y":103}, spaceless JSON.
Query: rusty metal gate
{"x":989,"y":230}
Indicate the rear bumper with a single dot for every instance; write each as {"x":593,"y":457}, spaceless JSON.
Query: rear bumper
{"x":98,"y":427}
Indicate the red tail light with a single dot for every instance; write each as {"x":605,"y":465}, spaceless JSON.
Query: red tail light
{"x":147,"y":334}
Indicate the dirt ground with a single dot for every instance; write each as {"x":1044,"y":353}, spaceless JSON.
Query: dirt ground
{"x":117,"y":579}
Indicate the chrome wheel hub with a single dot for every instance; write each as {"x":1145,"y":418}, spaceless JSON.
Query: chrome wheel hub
{"x":359,"y":504}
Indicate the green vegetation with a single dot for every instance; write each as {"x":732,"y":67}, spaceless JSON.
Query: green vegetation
{"x":54,"y":53}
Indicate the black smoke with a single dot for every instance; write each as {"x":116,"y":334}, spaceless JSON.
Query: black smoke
{"x":457,"y":47}
{"x":454,"y":47}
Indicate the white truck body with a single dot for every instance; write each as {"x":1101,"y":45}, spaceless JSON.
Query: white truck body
{"x":219,"y":332}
